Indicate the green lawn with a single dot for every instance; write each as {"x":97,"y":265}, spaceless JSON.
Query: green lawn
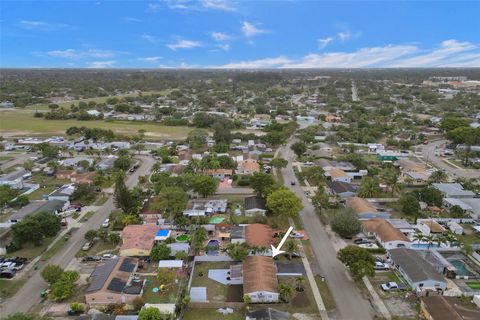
{"x":38,"y":194}
{"x":327,"y":297}
{"x":22,"y":122}
{"x":54,"y":249}
{"x":31,"y":251}
{"x":215,"y":290}
{"x":474,"y":285}
{"x":10,"y":287}
{"x":168,"y":295}
{"x":212,"y":314}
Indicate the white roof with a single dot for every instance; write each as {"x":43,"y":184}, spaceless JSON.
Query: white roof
{"x":170,"y":263}
{"x":458,"y":202}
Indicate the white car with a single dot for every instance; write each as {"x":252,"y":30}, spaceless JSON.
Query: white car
{"x":108,"y":256}
{"x":381,"y":266}
{"x":368,"y":246}
{"x":106,"y":223}
{"x":296,"y":235}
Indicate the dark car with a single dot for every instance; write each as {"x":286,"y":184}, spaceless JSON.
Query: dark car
{"x":7,"y":274}
{"x":362,"y":241}
{"x":293,"y":183}
{"x":91,"y":259}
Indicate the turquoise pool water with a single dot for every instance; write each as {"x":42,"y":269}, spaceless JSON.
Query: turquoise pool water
{"x":216,"y":220}
{"x":424,"y":246}
{"x":461,"y":268}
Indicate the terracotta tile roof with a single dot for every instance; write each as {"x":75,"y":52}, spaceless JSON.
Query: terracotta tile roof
{"x":337,"y":173}
{"x":139,"y":236}
{"x":259,"y":274}
{"x":260,"y":235}
{"x":219,"y":171}
{"x":249,"y":165}
{"x":384,"y":230}
{"x":360,"y":205}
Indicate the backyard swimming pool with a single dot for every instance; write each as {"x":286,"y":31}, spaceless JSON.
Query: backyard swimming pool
{"x":424,"y":246}
{"x":461,"y":268}
{"x":212,"y":247}
{"x":216,"y":220}
{"x":182,"y":238}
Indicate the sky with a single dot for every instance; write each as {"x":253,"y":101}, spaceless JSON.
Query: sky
{"x":239,"y":34}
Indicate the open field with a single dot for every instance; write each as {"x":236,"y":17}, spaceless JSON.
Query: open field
{"x":15,"y":123}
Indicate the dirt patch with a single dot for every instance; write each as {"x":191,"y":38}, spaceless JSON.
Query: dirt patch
{"x":235,"y":293}
{"x":300,"y":299}
{"x":400,"y":308}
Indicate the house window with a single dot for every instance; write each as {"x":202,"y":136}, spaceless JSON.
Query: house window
{"x":420,"y":285}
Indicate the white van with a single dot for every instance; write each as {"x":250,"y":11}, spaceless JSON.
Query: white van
{"x":106,"y":223}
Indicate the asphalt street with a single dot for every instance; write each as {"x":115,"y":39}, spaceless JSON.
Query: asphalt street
{"x":351,"y":305}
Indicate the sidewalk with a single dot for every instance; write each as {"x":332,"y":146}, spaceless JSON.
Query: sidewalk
{"x":376,"y":299}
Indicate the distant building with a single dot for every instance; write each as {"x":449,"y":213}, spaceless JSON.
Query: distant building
{"x":63,"y":193}
{"x":107,"y":163}
{"x":453,"y":190}
{"x":255,"y":205}
{"x":15,"y":179}
{"x":50,"y":206}
{"x":364,"y":209}
{"x":387,"y":235}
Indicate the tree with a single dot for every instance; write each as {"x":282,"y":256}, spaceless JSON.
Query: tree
{"x":438,"y":176}
{"x":7,"y":193}
{"x":247,"y":299}
{"x":90,"y":235}
{"x":77,"y":307}
{"x":263,"y":184}
{"x":290,"y":247}
{"x":431,"y":196}
{"x":390,"y":176}
{"x":114,"y":238}
{"x":128,"y":219}
{"x":171,"y":200}
{"x":451,"y":123}
{"x":23,"y":316}
{"x":198,"y":239}
{"x":346,"y":223}
{"x":360,"y":262}
{"x":205,"y":185}
{"x":122,"y":163}
{"x":138,"y":303}
{"x":409,"y":204}
{"x":238,"y":251}
{"x":285,"y":292}
{"x":299,"y":282}
{"x":299,"y":148}
{"x":275,"y":138}
{"x":34,"y":228}
{"x":369,"y":188}
{"x":279,"y":163}
{"x":197,"y":138}
{"x":64,"y":287}
{"x":457,"y":211}
{"x":51,"y":273}
{"x":160,"y":252}
{"x":284,"y":203}
{"x":181,"y":255}
{"x":418,"y":236}
{"x":150,"y":313}
{"x":122,"y":196}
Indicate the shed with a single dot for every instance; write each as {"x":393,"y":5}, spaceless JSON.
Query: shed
{"x":170,"y":263}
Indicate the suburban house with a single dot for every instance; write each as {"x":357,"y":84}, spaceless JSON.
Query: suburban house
{"x":237,"y":234}
{"x":413,"y":172}
{"x":15,"y":179}
{"x":260,"y":279}
{"x":338,"y":175}
{"x":248,"y":166}
{"x":429,"y":226}
{"x":446,"y":308}
{"x":420,"y":274}
{"x":386,"y":234}
{"x":205,"y":207}
{"x":453,"y":190}
{"x":137,"y":240}
{"x":255,"y":205}
{"x":470,"y":206}
{"x":63,"y":193}
{"x":341,"y":189}
{"x":74,"y":162}
{"x":113,"y":283}
{"x":50,"y":206}
{"x":364,"y":209}
{"x":220,"y":174}
{"x":177,"y":247}
{"x":259,"y":235}
{"x":266,"y":314}
{"x":106,"y":163}
{"x":64,"y":174}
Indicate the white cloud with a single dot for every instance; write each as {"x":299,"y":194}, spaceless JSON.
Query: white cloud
{"x":149,"y":38}
{"x":218,"y":4}
{"x":153,"y":7}
{"x":131,"y":19}
{"x":344,"y":35}
{"x":150,"y":59}
{"x":257,"y":64}
{"x":250,"y":30}
{"x":184,"y":44}
{"x":79,"y":54}
{"x":42,"y":25}
{"x":322,"y":43}
{"x":220,"y":36}
{"x":224,"y":46}
{"x":450,"y":53}
{"x":100,"y":64}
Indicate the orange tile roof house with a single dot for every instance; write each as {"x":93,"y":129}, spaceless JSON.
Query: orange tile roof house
{"x":111,"y":283}
{"x":388,"y":236}
{"x":259,"y":235}
{"x":260,"y":279}
{"x":138,"y":240}
{"x":364,"y":209}
{"x":433,"y":226}
{"x":247,"y":166}
{"x":338,"y":175}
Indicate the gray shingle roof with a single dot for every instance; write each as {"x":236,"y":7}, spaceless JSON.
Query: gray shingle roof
{"x":412,"y":263}
{"x":254,"y":203}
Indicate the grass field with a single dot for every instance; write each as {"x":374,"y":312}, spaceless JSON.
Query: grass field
{"x":474,"y":285}
{"x":22,"y":123}
{"x":10,"y":287}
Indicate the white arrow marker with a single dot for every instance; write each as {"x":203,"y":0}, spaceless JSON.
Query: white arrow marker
{"x":277,"y":251}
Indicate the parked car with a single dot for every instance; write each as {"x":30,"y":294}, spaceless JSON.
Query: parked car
{"x":106,"y":223}
{"x":296,"y":235}
{"x":108,"y":256}
{"x":7,"y":274}
{"x":368,"y":245}
{"x":362,"y":241}
{"x":91,"y":258}
{"x":381,"y":266}
{"x":293,"y":183}
{"x":87,"y":245}
{"x":389,"y":286}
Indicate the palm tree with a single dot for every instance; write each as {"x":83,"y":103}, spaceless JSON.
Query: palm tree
{"x":418,"y":236}
{"x":390,"y":176}
{"x":369,"y":188}
{"x":430,"y":239}
{"x":285,"y":291}
{"x":299,"y":282}
{"x":290,"y":247}
{"x":438,"y":176}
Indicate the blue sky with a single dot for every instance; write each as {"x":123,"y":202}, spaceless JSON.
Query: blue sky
{"x":239,"y":34}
